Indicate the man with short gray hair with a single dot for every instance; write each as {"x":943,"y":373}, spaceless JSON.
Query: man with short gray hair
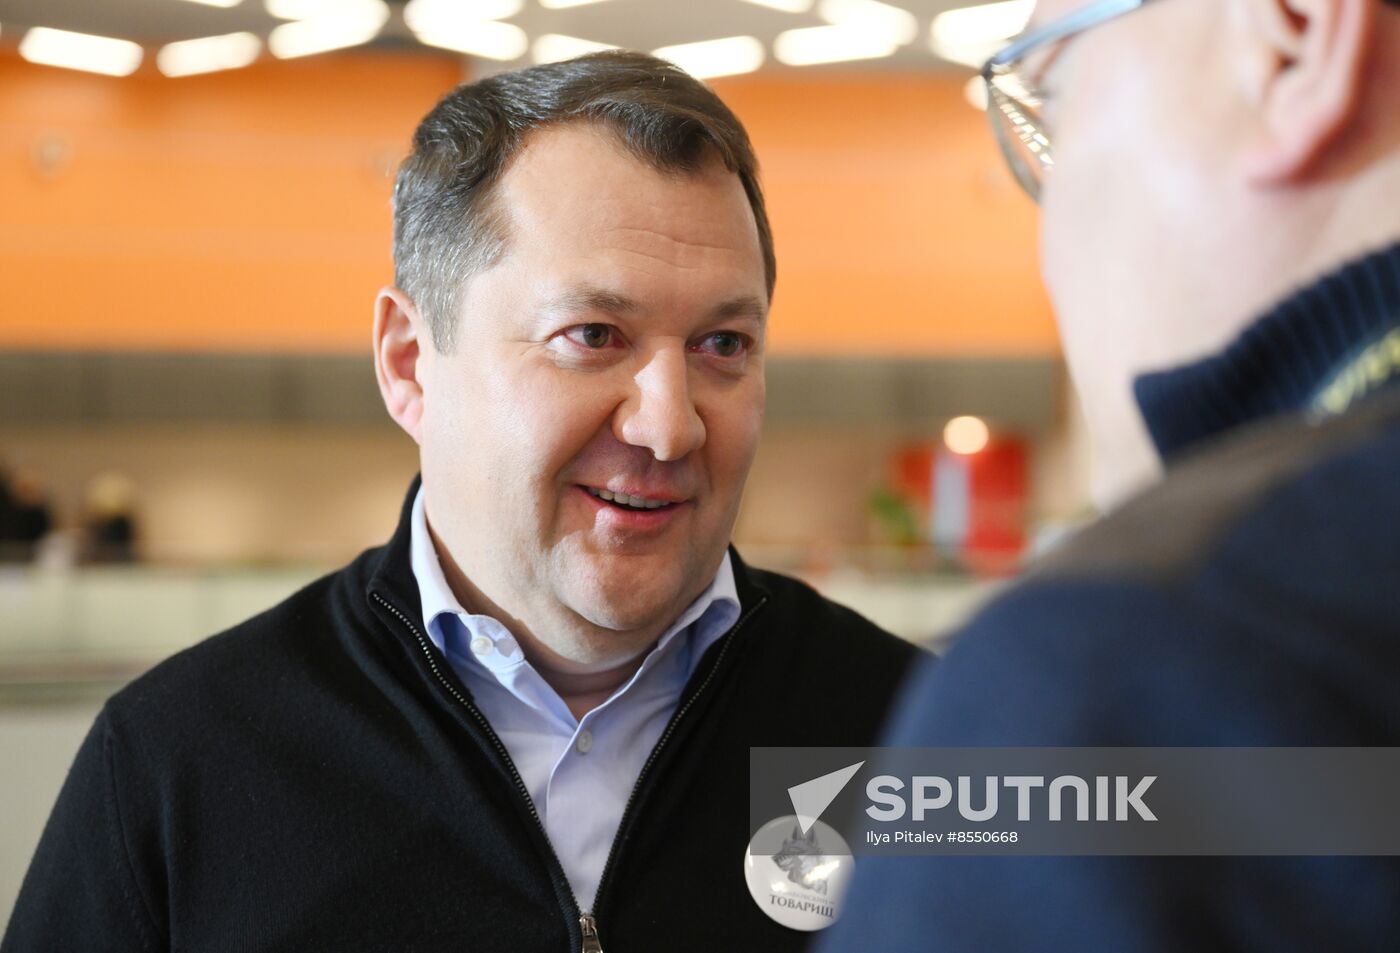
{"x":524,"y":724}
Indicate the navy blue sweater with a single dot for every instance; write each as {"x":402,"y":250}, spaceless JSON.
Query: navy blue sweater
{"x":1251,"y":598}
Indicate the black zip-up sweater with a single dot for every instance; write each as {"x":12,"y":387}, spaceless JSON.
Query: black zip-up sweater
{"x":318,"y":779}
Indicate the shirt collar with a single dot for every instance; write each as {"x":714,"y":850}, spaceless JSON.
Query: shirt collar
{"x":433,"y":590}
{"x":717,"y":607}
{"x":1324,"y":348}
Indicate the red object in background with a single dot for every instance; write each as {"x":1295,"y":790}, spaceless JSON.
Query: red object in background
{"x":999,"y":484}
{"x":912,"y":472}
{"x":981,"y":517}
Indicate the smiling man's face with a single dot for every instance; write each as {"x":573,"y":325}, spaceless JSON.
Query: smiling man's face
{"x":615,"y":350}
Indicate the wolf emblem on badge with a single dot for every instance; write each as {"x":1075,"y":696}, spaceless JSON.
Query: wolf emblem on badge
{"x":800,"y":858}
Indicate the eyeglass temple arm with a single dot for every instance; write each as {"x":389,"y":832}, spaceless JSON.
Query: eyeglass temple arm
{"x":1067,"y":25}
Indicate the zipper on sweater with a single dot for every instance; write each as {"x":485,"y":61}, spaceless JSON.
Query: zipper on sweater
{"x":632,"y":805}
{"x":588,"y":923}
{"x":560,"y":878}
{"x":589,"y":927}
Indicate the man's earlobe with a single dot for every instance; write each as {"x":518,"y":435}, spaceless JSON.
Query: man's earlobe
{"x":398,"y":331}
{"x":1313,"y":90}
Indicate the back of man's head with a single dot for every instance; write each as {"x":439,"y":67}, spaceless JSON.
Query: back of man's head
{"x":1210,"y":156}
{"x":445,"y":224}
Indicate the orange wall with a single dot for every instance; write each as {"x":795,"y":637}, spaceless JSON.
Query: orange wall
{"x":897,"y":229}
{"x":246,"y":210}
{"x":250,"y":210}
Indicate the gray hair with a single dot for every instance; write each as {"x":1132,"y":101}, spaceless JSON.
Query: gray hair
{"x":446,"y":227}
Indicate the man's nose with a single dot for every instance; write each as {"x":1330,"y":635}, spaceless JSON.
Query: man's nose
{"x":659,"y":413}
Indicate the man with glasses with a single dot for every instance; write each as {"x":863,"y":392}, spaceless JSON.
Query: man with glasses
{"x":1220,"y":192}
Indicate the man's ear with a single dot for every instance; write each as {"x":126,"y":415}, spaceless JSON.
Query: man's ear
{"x":398,"y":333}
{"x":1311,"y":90}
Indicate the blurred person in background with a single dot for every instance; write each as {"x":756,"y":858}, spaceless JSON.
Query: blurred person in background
{"x":109,"y":522}
{"x":8,"y":517}
{"x":524,"y":724}
{"x":26,"y":517}
{"x":1219,"y":183}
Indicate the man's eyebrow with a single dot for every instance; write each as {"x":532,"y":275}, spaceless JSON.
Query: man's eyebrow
{"x":589,"y":298}
{"x":744,"y":306}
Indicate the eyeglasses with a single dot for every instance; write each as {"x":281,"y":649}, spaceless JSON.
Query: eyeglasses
{"x":1014,"y":104}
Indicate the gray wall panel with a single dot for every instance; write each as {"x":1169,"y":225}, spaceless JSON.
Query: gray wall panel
{"x":43,"y":389}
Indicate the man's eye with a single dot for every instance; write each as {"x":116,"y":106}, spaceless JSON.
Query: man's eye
{"x":594,"y":336}
{"x":725,"y":343}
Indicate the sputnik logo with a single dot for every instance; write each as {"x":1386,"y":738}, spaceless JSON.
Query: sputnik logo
{"x":811,"y":798}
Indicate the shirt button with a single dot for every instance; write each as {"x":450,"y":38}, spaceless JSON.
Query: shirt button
{"x":584,"y":742}
{"x":481,"y":645}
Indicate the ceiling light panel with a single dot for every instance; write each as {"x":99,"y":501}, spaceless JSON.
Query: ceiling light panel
{"x":810,"y":46}
{"x":726,"y":57}
{"x":208,"y":54}
{"x":487,"y":38}
{"x":786,"y":6}
{"x":566,"y":4}
{"x":895,"y":24}
{"x":358,"y":22}
{"x":80,"y":51}
{"x":449,"y":15}
{"x":555,"y":47}
{"x":360,"y":10}
{"x":970,"y":35}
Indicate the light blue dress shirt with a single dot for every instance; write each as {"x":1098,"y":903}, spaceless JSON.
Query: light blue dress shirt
{"x":580,"y":773}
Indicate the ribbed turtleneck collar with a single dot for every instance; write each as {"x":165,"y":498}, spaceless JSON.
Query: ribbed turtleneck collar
{"x":1326,"y":346}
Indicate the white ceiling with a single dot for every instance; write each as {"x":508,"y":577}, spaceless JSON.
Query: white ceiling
{"x":636,"y":24}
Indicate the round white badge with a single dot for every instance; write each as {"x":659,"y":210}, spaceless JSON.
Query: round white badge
{"x":799,"y":879}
